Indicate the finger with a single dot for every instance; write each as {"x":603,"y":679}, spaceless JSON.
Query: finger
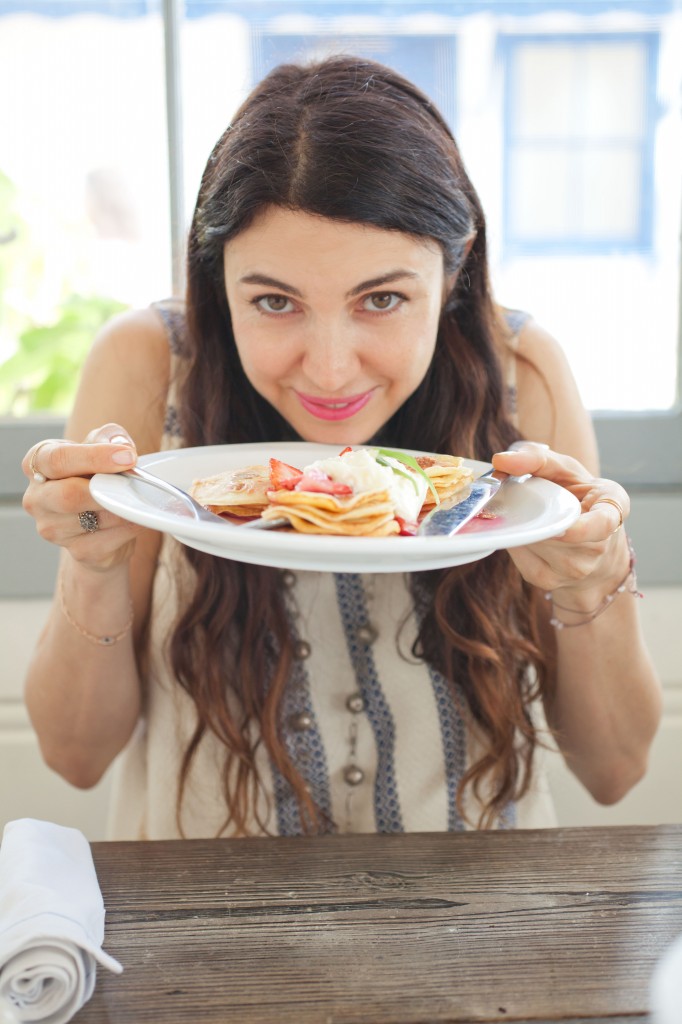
{"x":57,"y":460}
{"x":65,"y":528}
{"x":550,"y":564}
{"x":601,"y":518}
{"x":29,"y":463}
{"x":64,"y":499}
{"x":112,"y":432}
{"x":103,"y":549}
{"x":608,"y":493}
{"x":538,"y":459}
{"x":92,"y":519}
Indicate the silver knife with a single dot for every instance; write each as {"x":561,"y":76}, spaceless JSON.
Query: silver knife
{"x":444,"y":520}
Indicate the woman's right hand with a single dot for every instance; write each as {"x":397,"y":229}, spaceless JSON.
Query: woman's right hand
{"x":58,"y":494}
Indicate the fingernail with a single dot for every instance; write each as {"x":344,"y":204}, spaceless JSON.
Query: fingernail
{"x":119,"y":439}
{"x":526,"y":445}
{"x":123,"y":457}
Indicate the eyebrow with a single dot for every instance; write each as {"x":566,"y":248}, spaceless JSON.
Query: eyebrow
{"x":373,"y":282}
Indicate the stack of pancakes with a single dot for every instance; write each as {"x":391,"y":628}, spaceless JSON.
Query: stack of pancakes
{"x":247,"y":493}
{"x":447,"y":474}
{"x":367,"y":514}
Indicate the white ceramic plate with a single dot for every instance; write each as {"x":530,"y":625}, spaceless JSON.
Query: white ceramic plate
{"x":530,"y":512}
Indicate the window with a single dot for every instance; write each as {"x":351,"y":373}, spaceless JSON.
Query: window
{"x":589,"y":245}
{"x":579,"y":143}
{"x":84,"y":224}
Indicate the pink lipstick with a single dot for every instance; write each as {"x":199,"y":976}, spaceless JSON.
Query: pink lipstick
{"x":334,"y":408}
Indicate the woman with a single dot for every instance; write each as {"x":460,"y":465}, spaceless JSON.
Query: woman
{"x":337,"y":292}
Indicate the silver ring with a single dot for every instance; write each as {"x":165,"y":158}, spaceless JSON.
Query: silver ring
{"x":89,"y":521}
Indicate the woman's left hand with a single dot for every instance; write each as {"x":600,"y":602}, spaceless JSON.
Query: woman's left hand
{"x":593,"y":553}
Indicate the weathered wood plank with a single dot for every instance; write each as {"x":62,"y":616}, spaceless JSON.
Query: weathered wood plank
{"x":526,"y":926}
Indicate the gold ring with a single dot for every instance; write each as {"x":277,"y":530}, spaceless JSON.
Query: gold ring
{"x":39,"y":477}
{"x":612,"y":501}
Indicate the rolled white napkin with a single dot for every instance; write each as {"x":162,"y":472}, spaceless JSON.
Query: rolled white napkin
{"x":666,"y":986}
{"x":51,"y":922}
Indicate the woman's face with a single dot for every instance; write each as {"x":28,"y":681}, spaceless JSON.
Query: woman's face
{"x":335,"y":323}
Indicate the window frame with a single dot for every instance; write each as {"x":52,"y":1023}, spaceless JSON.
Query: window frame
{"x":444,"y":57}
{"x":515,"y":244}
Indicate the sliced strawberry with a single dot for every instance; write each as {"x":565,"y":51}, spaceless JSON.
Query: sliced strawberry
{"x":282,"y":476}
{"x":407,"y":529}
{"x":317,"y":481}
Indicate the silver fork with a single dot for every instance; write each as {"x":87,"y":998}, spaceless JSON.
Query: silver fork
{"x":201,"y":514}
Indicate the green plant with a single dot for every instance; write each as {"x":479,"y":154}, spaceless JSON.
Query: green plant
{"x":44,"y":352}
{"x":43,"y":372}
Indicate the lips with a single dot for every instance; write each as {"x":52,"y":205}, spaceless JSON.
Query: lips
{"x":334,"y":408}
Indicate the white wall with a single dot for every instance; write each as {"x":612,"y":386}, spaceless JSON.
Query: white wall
{"x":657,"y":799}
{"x":29,"y":789}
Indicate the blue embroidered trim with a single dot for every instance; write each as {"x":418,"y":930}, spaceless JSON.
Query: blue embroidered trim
{"x":508,"y":817}
{"x":454,"y":734}
{"x":173,"y":316}
{"x":353,"y":608}
{"x":306,"y":750}
{"x":172,"y":313}
{"x":512,"y":401}
{"x":516,"y":318}
{"x":171,"y":426}
{"x":454,"y":737}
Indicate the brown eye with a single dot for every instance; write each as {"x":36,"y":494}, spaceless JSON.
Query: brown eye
{"x":380,"y":302}
{"x":274,"y":303}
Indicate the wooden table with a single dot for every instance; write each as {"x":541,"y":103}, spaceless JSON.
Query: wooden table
{"x":527,"y":926}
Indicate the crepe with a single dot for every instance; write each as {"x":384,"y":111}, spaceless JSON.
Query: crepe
{"x":367,"y":514}
{"x":446,"y":473}
{"x":236,"y":492}
{"x":376,"y":502}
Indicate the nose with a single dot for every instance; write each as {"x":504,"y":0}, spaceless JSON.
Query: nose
{"x":331,"y":360}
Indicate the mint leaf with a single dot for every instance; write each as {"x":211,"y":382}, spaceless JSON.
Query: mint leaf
{"x":408,"y":460}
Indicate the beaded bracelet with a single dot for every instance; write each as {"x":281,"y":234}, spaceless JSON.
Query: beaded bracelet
{"x":108,"y":640}
{"x":628,"y":583}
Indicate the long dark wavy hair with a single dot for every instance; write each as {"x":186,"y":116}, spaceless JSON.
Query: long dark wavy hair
{"x":352,"y":140}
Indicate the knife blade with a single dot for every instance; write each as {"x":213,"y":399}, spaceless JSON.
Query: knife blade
{"x":445,"y":520}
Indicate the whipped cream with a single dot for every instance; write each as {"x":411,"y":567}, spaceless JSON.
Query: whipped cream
{"x":360,"y":471}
